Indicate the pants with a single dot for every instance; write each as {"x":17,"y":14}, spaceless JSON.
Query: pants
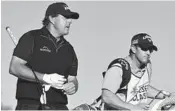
{"x":34,"y":105}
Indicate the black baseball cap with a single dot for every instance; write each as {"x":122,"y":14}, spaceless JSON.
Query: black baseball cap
{"x":144,"y":41}
{"x":61,"y":8}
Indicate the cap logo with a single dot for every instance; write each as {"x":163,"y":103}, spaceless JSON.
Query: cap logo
{"x":148,"y":38}
{"x":135,"y":41}
{"x":66,"y":7}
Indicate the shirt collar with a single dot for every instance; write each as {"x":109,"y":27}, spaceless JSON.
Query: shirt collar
{"x":134,"y":68}
{"x":47,"y":34}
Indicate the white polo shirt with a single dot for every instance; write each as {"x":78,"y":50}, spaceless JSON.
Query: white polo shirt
{"x":137,"y":86}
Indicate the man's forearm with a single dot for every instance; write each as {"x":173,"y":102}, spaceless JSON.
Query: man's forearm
{"x":24,"y":72}
{"x":153,"y":92}
{"x":75,"y":82}
{"x":114,"y":101}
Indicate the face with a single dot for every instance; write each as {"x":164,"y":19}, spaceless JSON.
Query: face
{"x":143,"y":55}
{"x":62,"y":24}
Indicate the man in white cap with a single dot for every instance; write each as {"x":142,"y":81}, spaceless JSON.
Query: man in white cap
{"x":126,"y":83}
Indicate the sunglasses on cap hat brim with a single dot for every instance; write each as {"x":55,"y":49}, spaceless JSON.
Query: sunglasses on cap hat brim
{"x":146,"y":47}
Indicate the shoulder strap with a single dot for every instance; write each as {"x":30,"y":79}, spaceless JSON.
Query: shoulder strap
{"x":125,"y":78}
{"x":126,"y":70}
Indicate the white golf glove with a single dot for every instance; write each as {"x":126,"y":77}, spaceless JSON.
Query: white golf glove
{"x":54,"y":80}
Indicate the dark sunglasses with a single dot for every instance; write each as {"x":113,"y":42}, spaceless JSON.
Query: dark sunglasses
{"x":146,"y":49}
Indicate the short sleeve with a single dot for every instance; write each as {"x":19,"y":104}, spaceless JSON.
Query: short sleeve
{"x":113,"y":78}
{"x":24,"y":47}
{"x":74,"y":67}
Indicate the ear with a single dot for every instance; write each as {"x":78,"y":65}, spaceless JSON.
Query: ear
{"x":51,"y":19}
{"x":133,"y":48}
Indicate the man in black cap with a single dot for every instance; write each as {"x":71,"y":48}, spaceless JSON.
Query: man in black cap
{"x":126,"y":83}
{"x":45,"y":53}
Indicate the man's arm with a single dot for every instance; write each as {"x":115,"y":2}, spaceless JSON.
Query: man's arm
{"x":21,"y":54}
{"x":152,"y":92}
{"x":71,"y":86}
{"x":74,"y":80}
{"x":20,"y":70}
{"x":114,"y":101}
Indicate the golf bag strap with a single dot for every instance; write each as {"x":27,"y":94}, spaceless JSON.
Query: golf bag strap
{"x":96,"y":100}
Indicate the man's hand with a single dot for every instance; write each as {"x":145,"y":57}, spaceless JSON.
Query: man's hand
{"x":166,"y":94}
{"x":69,"y":88}
{"x":55,"y":80}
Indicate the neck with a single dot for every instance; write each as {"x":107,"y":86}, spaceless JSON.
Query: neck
{"x":136,"y":62}
{"x":53,"y":31}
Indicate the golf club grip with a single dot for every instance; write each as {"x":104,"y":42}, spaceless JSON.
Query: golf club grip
{"x":15,"y":41}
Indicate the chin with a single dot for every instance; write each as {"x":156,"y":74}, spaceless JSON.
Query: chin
{"x":66,"y":33}
{"x":145,"y":62}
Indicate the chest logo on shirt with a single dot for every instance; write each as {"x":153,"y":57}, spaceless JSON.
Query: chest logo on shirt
{"x":45,"y":49}
{"x":141,"y":93}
